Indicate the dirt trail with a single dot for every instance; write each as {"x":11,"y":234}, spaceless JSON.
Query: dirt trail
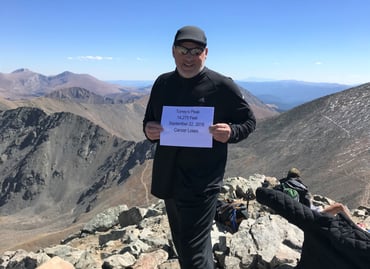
{"x":142,"y":177}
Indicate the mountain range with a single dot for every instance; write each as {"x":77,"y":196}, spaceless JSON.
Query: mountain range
{"x":287,"y":94}
{"x":24,"y":84}
{"x":280,"y":94}
{"x":69,"y":150}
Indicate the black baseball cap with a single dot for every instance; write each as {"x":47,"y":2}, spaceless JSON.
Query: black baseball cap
{"x":190,"y":33}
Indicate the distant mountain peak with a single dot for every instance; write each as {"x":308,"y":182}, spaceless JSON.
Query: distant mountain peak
{"x":20,"y":70}
{"x":65,"y":73}
{"x":79,"y":95}
{"x":24,"y":83}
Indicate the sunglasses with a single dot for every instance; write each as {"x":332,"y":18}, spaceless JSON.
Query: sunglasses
{"x":193,"y":51}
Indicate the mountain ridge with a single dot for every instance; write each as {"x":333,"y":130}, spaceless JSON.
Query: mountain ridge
{"x":328,"y":139}
{"x":60,"y":160}
{"x":23,"y":83}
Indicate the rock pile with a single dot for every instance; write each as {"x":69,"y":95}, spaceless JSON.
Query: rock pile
{"x":123,"y":237}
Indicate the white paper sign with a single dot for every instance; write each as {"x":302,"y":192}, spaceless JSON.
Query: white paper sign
{"x":186,"y":126}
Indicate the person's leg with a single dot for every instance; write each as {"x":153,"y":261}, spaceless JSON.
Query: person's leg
{"x":191,"y":218}
{"x":173,"y":219}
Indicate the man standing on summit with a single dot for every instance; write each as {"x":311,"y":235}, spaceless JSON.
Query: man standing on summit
{"x":189,"y":178}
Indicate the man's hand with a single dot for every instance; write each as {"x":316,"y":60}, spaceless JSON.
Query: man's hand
{"x":153,"y":130}
{"x":220,"y":131}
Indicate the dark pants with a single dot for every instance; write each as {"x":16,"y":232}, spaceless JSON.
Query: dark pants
{"x":191,"y":217}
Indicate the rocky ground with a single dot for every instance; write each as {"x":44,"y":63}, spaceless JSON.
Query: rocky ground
{"x":138,"y":237}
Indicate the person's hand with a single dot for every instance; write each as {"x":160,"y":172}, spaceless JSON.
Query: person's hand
{"x":153,"y":130}
{"x":220,"y":131}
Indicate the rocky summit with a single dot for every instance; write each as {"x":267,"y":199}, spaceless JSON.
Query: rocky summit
{"x":137,"y":237}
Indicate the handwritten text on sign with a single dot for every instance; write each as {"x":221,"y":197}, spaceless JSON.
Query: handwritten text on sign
{"x":186,"y":126}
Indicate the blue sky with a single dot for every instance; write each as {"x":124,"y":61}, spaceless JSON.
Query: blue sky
{"x":312,"y":40}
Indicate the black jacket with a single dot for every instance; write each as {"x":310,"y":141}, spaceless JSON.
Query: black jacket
{"x":329,"y":242}
{"x":201,"y":169}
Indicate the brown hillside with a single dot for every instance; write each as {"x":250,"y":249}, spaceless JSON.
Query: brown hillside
{"x":328,"y":139}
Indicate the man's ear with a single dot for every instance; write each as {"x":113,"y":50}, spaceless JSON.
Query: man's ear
{"x":173,"y":51}
{"x":206,"y":52}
